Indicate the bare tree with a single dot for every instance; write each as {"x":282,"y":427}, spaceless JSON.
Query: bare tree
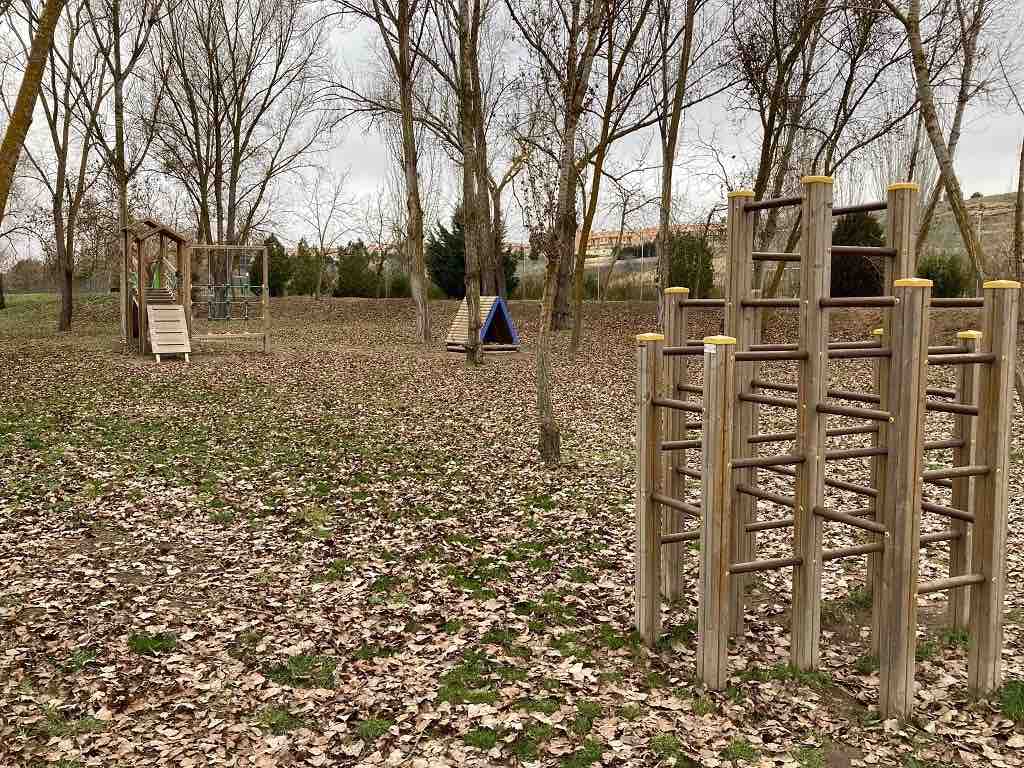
{"x":20,"y":117}
{"x":328,"y":210}
{"x":64,"y":163}
{"x":399,"y":26}
{"x":562,"y":40}
{"x":247,"y":103}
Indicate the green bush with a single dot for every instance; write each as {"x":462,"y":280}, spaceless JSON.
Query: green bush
{"x":690,"y":264}
{"x":355,"y":278}
{"x":305,"y":265}
{"x":280,"y":267}
{"x":446,"y":260}
{"x":948,"y":273}
{"x":856,"y":275}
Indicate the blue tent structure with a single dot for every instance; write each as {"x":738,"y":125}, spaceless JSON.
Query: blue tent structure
{"x":497,"y":329}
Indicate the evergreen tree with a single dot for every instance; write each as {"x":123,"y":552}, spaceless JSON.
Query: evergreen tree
{"x":280,"y":267}
{"x":355,"y":277}
{"x":690,"y":264}
{"x":304,"y":268}
{"x":446,"y":259}
{"x":856,"y":275}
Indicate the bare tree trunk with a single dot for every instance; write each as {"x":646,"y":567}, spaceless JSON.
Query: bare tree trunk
{"x":1018,"y":219}
{"x":581,"y":248}
{"x":410,"y":161}
{"x":468,"y":116}
{"x":926,"y":97}
{"x":3,"y":298}
{"x":24,"y":106}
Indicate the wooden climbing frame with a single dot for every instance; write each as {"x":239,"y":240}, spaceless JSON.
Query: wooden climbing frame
{"x":893,"y":417}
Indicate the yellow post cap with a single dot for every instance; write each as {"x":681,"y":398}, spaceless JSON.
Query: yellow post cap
{"x":643,"y":338}
{"x":904,"y":185}
{"x":878,"y":331}
{"x":1000,"y":284}
{"x":740,"y":193}
{"x":816,"y":180}
{"x":913,"y":282}
{"x":719,"y":340}
{"x":972,"y":335}
{"x":676,"y":289}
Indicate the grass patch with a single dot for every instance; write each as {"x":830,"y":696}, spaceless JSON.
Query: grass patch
{"x":586,"y":713}
{"x":336,"y":571}
{"x":665,"y":745}
{"x":146,"y":644}
{"x":704,"y":705}
{"x":739,"y":750}
{"x":527,"y":745}
{"x":467,"y":682}
{"x":373,"y":728}
{"x":1011,"y":700}
{"x":925,"y":650}
{"x":481,"y":738}
{"x":631,"y":712}
{"x":57,"y":725}
{"x":547,"y":706}
{"x":571,"y":644}
{"x":304,"y":671}
{"x":954,"y":637}
{"x":786,"y":673}
{"x":278,"y":721}
{"x":866,"y":664}
{"x":809,"y":757}
{"x":586,"y":755}
{"x":80,"y":659}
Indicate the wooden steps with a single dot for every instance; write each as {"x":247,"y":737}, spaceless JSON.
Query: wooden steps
{"x":168,"y":330}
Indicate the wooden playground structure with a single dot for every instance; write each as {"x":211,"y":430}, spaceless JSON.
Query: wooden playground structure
{"x":163,"y":310}
{"x":892,"y":420}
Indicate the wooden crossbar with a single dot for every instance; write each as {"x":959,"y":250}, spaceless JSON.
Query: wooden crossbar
{"x":964,"y":358}
{"x":772,"y":564}
{"x":953,"y":512}
{"x":672,"y":538}
{"x":678,"y":445}
{"x":856,"y":522}
{"x":768,"y":461}
{"x":677,"y":405}
{"x":953,"y":582}
{"x":855,"y":413}
{"x":770,"y":525}
{"x":676,"y":504}
{"x":759,"y":493}
{"x":939,"y":536}
{"x":777,"y":402}
{"x":859,"y":549}
{"x":971,"y":470}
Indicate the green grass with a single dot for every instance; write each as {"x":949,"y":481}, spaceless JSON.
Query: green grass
{"x":78,"y":660}
{"x":146,"y":644}
{"x":336,"y":571}
{"x":809,"y":757}
{"x":586,"y":713}
{"x":585,"y":756}
{"x":278,"y":721}
{"x":704,"y":705}
{"x":630,"y":712}
{"x":1011,"y":700}
{"x":954,"y":637}
{"x":739,"y":750}
{"x":304,"y":671}
{"x":665,"y":746}
{"x":866,"y":664}
{"x":786,"y":673}
{"x":56,"y":724}
{"x":481,"y":738}
{"x":527,"y":745}
{"x":373,"y":728}
{"x":547,"y":706}
{"x":467,"y":682}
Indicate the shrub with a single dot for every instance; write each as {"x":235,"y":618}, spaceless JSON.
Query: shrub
{"x":446,"y":260}
{"x":305,"y":265}
{"x":690,"y":264}
{"x":280,"y":267}
{"x":355,"y":278}
{"x":400,"y":286}
{"x":948,"y":272}
{"x":856,"y":275}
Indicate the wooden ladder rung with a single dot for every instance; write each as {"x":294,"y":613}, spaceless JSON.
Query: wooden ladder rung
{"x":765,"y":565}
{"x":953,"y":582}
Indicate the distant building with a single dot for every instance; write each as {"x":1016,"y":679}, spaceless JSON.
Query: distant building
{"x":601,"y":243}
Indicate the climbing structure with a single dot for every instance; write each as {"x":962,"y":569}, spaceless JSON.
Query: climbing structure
{"x":892,"y":419}
{"x":497,"y":330}
{"x":158,"y":264}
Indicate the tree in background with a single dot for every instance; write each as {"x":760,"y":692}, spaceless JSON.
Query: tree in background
{"x":690,"y":264}
{"x":355,"y":275}
{"x":446,"y":259}
{"x":856,"y":275}
{"x":280,"y":267}
{"x":306,"y":270}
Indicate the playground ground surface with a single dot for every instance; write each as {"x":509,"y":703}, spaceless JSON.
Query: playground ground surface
{"x":346,"y":553}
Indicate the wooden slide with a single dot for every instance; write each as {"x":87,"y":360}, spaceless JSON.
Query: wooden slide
{"x":168,"y":330}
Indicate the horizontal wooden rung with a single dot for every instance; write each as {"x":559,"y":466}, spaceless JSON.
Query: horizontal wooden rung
{"x":856,"y":354}
{"x":679,"y":351}
{"x":772,"y":437}
{"x":855,"y":522}
{"x":691,"y":388}
{"x":765,"y":565}
{"x":859,"y":549}
{"x":939,"y":536}
{"x":691,"y":473}
{"x":679,"y":445}
{"x":769,"y":356}
{"x":779,"y":460}
{"x":964,"y":409}
{"x":758,"y":493}
{"x":964,"y":358}
{"x":839,"y":454}
{"x":843,"y":210}
{"x":677,"y":405}
{"x":943,"y":445}
{"x":970,"y":470}
{"x":777,"y":202}
{"x":858,"y":301}
{"x":961,"y":302}
{"x":952,"y":512}
{"x":774,"y":256}
{"x":672,"y":538}
{"x":776,"y":402}
{"x":780,"y":303}
{"x":676,"y":504}
{"x":871,"y":414}
{"x":769,"y":525}
{"x":953,"y":582}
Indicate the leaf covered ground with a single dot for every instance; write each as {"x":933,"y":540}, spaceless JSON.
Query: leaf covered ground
{"x":346,"y":553}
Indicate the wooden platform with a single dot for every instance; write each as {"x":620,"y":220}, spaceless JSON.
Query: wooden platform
{"x":168,"y":331}
{"x":497,"y":331}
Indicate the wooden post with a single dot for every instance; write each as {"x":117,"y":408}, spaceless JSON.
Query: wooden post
{"x":716,"y":500}
{"x":672,"y":372}
{"x":739,"y":325}
{"x":143,"y":318}
{"x":186,"y":283}
{"x":964,"y":428}
{"x":815,"y":277}
{"x":266,"y":299}
{"x":161,"y":258}
{"x":902,"y":503}
{"x":988,"y":556}
{"x":647,"y":582}
{"x":873,"y":576}
{"x":126,"y":301}
{"x":901,"y":234}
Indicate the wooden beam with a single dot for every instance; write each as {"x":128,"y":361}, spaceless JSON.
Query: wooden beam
{"x":716,"y":500}
{"x":672,"y":371}
{"x":647,"y":579}
{"x":965,"y":429}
